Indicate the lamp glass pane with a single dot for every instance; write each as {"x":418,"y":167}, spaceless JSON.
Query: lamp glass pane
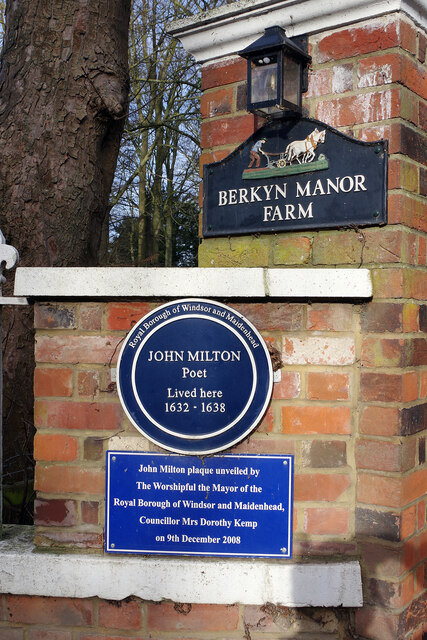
{"x":264,"y":79}
{"x":291,"y":80}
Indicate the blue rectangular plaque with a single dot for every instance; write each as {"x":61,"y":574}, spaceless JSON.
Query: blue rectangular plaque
{"x":228,"y":505}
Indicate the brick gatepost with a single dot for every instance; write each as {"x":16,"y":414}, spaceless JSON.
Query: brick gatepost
{"x":352,"y":399}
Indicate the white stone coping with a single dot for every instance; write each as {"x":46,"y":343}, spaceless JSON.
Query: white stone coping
{"x":8,"y":301}
{"x":192,"y":580}
{"x":134,"y":282}
{"x":230,"y":28}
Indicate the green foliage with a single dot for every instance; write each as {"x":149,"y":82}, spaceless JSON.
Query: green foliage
{"x":18,"y":503}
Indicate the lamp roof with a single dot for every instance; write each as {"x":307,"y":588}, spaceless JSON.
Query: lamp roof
{"x":274,"y":38}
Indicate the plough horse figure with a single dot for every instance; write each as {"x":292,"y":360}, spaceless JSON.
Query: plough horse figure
{"x":303,"y":150}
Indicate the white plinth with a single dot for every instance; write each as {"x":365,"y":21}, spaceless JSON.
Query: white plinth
{"x":195,"y":580}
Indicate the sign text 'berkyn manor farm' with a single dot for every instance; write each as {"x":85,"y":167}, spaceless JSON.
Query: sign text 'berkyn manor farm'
{"x":293,"y":175}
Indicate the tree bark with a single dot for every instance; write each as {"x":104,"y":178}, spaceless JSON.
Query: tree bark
{"x":63,"y":102}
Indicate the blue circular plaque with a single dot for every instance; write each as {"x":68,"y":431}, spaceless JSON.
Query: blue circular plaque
{"x":194,"y":376}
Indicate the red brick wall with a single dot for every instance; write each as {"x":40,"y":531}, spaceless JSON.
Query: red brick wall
{"x":77,"y":411}
{"x":94,"y":619}
{"x":347,"y":407}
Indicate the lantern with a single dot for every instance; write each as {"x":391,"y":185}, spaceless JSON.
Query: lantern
{"x":276,"y":73}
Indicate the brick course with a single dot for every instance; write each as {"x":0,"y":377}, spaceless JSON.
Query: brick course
{"x":41,"y":618}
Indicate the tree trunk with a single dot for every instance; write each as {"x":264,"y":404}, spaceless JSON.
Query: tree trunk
{"x":64,"y":87}
{"x":63,"y":103}
{"x":169,"y":202}
{"x":142,"y":204}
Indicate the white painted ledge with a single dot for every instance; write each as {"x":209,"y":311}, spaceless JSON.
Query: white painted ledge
{"x":22,"y":302}
{"x":199,"y":581}
{"x":230,"y":28}
{"x":130,"y":282}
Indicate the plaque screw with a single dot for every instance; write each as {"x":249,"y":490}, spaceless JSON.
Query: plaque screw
{"x":283,"y":549}
{"x":113,"y":458}
{"x":376,"y":214}
{"x":285,"y":462}
{"x":113,"y":546}
{"x":377,"y":149}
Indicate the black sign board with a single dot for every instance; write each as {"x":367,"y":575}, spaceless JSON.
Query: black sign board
{"x":295,"y":174}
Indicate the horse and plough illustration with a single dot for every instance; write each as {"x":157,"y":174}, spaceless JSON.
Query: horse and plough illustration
{"x":299,"y":156}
